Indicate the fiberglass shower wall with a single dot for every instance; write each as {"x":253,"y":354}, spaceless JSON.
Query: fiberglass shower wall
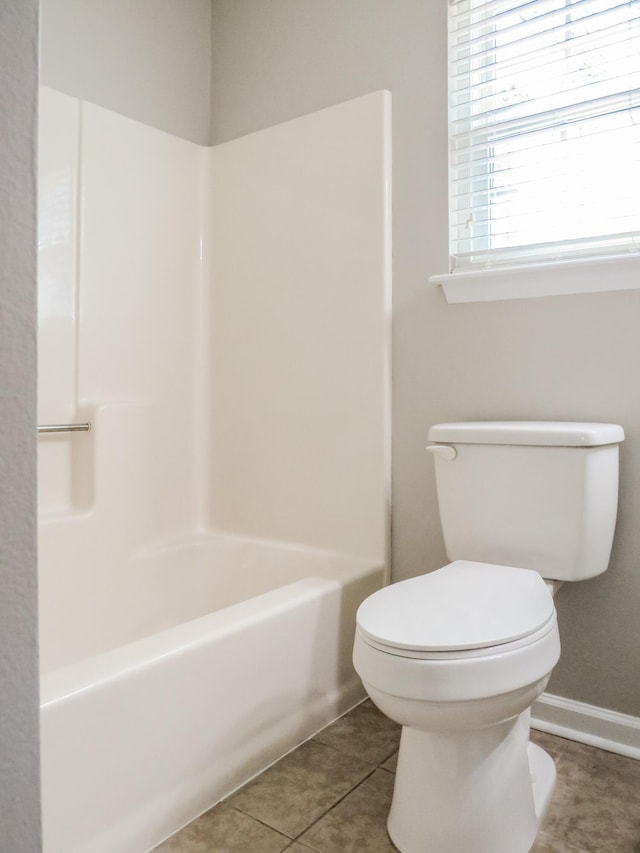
{"x":119,"y":288}
{"x":300,"y":313}
{"x":220,"y":316}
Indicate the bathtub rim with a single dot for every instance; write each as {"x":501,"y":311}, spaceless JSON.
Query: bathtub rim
{"x":123,"y":661}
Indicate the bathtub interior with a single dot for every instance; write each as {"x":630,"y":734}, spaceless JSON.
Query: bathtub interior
{"x":159,"y":588}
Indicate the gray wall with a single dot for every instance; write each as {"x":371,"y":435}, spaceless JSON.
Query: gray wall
{"x":573,"y":358}
{"x":19,"y":737}
{"x":146,"y":59}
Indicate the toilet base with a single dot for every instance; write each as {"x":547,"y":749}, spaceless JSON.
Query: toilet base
{"x":543,"y":779}
{"x":484,"y":790}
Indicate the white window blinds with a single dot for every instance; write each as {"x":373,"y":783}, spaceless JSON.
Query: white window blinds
{"x":544,"y":130}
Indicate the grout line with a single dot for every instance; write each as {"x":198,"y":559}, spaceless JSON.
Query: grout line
{"x":324,"y":813}
{"x":337,"y":802}
{"x":374,"y":767}
{"x":264,"y":823}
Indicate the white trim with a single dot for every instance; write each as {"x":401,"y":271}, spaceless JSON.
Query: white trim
{"x":593,"y":275}
{"x":588,"y":724}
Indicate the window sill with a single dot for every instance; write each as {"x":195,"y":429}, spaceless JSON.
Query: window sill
{"x":595,"y":275}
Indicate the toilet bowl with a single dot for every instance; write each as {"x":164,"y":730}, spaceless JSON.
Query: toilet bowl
{"x":457,"y":656}
{"x":473,"y":648}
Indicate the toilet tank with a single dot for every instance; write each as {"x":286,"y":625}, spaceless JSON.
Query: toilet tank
{"x":532,"y":494}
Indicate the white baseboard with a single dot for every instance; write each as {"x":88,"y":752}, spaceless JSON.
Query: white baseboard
{"x":587,"y":724}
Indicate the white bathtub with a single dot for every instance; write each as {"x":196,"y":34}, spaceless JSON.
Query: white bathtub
{"x":242,"y":651}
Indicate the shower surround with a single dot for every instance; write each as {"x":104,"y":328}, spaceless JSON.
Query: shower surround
{"x":221,"y":318}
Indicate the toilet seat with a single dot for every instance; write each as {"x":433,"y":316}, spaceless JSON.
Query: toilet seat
{"x":466,"y":631}
{"x":460,"y":677}
{"x":463,"y":609}
{"x":460,"y":654}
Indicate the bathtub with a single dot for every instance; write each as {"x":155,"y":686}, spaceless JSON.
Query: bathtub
{"x":224,"y":654}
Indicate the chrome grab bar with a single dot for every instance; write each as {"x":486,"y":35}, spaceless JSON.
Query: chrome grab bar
{"x":46,"y":428}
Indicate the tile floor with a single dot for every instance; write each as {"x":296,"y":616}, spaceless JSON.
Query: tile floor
{"x":332,"y":794}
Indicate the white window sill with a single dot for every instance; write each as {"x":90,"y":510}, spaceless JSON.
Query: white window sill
{"x":594,"y":275}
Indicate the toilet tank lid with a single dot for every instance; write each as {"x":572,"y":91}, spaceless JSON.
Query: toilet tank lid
{"x":541,"y":433}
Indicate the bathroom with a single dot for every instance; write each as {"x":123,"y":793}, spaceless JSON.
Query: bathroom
{"x":569,"y":357}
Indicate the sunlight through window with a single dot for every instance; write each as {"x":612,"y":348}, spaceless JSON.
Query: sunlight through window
{"x":544,"y":130}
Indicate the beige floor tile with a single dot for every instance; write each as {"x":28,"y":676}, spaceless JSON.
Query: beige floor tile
{"x":391,"y":763}
{"x":225,"y":830}
{"x":364,"y":732}
{"x":357,"y":824}
{"x":301,"y":787}
{"x":545,"y":844}
{"x":596,"y":804}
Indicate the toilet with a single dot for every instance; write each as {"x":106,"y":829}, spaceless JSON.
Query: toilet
{"x":457,"y":656}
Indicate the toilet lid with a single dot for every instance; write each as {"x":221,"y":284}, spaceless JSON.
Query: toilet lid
{"x":464,"y":605}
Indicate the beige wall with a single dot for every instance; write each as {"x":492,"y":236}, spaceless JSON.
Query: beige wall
{"x":146,"y":59}
{"x":573,"y":357}
{"x":19,"y":761}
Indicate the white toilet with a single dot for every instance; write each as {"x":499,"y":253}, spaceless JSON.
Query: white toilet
{"x":457,"y":656}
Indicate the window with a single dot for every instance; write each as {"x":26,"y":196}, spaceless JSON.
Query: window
{"x":544,"y":131}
